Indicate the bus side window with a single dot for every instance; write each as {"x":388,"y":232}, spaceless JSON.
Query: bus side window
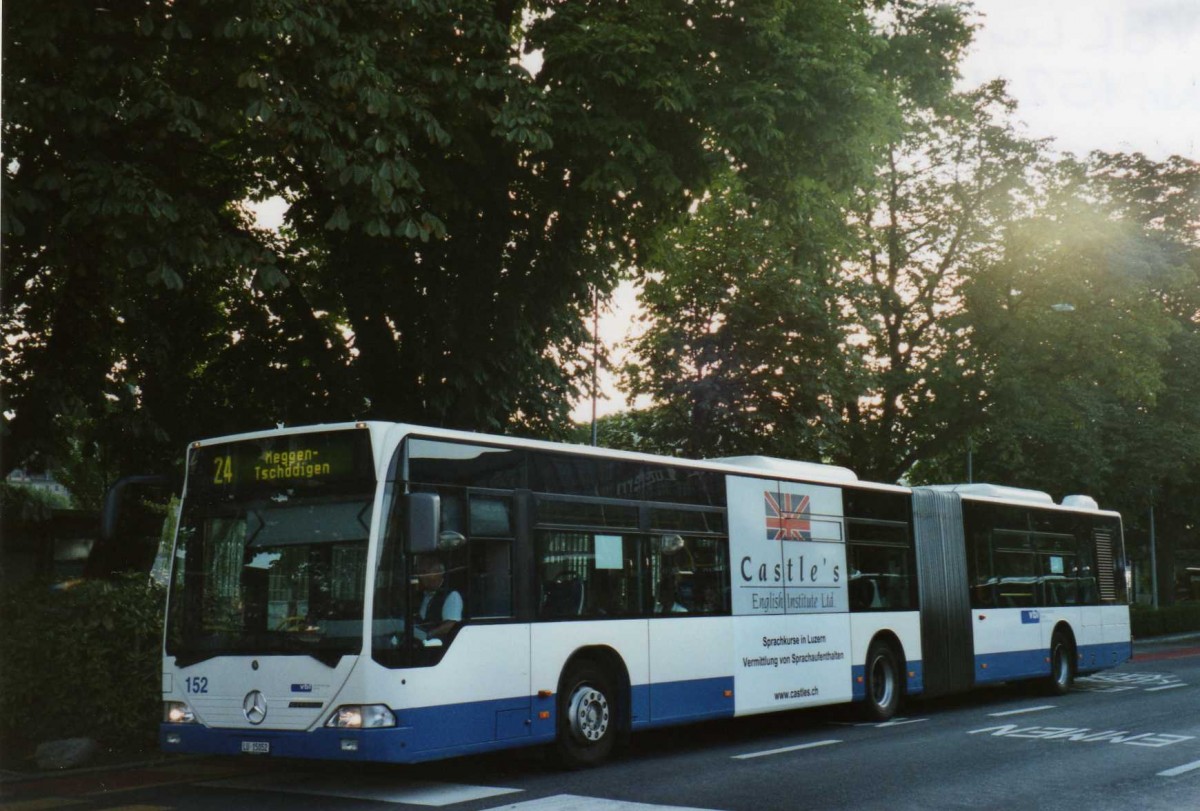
{"x":491,"y":533}
{"x":1015,"y":570}
{"x":491,"y":579}
{"x":880,"y":577}
{"x":562,"y":594}
{"x":564,"y":561}
{"x":688,"y":575}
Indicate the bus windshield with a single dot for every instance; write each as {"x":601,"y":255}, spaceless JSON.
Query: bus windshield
{"x":271,"y":563}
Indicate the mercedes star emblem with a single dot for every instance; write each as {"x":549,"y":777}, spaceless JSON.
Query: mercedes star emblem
{"x":254,"y":707}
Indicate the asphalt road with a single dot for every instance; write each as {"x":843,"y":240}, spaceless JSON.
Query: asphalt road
{"x":1126,"y":738}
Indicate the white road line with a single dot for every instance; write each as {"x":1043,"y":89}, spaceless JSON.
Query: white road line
{"x":784,"y":749}
{"x":1178,"y":770}
{"x":895,"y":722}
{"x":1022,"y":711}
{"x":572,"y":802}
{"x":1165,"y":687}
{"x":899,"y":722}
{"x":386,"y":790}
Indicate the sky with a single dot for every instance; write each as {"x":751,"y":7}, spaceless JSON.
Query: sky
{"x":1114,"y":75}
{"x":1117,"y":75}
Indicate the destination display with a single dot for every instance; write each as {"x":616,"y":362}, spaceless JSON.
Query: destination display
{"x":788,"y":556}
{"x":290,"y":460}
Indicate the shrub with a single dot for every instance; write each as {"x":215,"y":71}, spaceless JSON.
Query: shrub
{"x":1171,"y":619}
{"x":81,"y":662}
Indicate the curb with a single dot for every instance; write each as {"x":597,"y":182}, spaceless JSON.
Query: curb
{"x":1190,"y":636}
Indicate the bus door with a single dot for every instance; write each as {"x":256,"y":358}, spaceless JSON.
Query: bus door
{"x":1058,"y":567}
{"x":1008,"y":639}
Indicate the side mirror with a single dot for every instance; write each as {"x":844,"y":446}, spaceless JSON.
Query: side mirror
{"x":422,"y":521}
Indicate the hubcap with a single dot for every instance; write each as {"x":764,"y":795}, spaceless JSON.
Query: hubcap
{"x":589,"y":714}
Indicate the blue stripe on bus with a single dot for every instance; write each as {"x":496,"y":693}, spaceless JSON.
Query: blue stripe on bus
{"x":994,"y":667}
{"x":682,"y":701}
{"x":1011,"y":665}
{"x":1098,"y":657}
{"x":383,"y":745}
{"x":423,"y":733}
{"x":427,"y":733}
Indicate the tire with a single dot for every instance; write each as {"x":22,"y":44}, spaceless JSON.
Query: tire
{"x":1062,"y":664}
{"x":587,"y":716}
{"x":882,"y":676}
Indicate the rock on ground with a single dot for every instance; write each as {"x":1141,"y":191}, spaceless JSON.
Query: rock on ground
{"x":68,"y":753}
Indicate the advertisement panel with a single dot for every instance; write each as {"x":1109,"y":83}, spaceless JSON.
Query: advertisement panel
{"x":792,"y":635}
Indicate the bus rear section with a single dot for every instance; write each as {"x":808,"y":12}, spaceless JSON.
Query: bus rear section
{"x":1017,"y":587}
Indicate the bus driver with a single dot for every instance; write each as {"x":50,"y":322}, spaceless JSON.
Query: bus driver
{"x":441,"y":607}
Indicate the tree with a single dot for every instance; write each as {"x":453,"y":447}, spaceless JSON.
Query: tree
{"x":947,"y":189}
{"x":1085,"y":333}
{"x":742,"y":349}
{"x":117,"y":197}
{"x":451,"y":210}
{"x":837,"y":342}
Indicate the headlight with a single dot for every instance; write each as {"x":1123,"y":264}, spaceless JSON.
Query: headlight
{"x":361,"y":716}
{"x":176,"y":712}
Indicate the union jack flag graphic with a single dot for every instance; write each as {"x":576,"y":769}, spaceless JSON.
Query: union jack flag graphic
{"x":787,"y":517}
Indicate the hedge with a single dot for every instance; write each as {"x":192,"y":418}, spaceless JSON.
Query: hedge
{"x":1171,"y":619}
{"x":83,"y":661}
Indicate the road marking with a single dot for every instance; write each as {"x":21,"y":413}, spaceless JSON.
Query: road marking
{"x":377,"y":789}
{"x":1090,"y":689}
{"x":1178,"y":770}
{"x":1165,"y":687}
{"x":895,"y":722}
{"x":784,"y":749}
{"x":1135,"y":679}
{"x":1021,"y":711}
{"x":571,"y":802}
{"x":1084,"y":734}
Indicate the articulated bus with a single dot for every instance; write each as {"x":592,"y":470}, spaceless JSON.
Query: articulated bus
{"x":389,"y":592}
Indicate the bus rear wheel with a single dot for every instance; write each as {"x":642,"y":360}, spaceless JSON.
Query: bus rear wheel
{"x":882,"y":682}
{"x":1062,"y":665}
{"x":587,"y":717}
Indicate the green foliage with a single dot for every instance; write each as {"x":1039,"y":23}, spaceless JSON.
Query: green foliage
{"x":831,"y":338}
{"x":1174,"y":619}
{"x":29,"y":504}
{"x":1085,"y":330}
{"x":451,"y":213}
{"x":742,"y":346}
{"x":948,"y":184}
{"x":829,"y":238}
{"x":83,"y":661}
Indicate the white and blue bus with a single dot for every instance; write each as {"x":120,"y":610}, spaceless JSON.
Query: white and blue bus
{"x":389,"y":592}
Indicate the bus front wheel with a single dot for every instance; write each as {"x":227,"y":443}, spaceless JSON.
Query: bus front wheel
{"x":587,"y":718}
{"x":882,"y":682}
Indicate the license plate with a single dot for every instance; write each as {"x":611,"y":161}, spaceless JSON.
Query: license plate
{"x":256,"y":747}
